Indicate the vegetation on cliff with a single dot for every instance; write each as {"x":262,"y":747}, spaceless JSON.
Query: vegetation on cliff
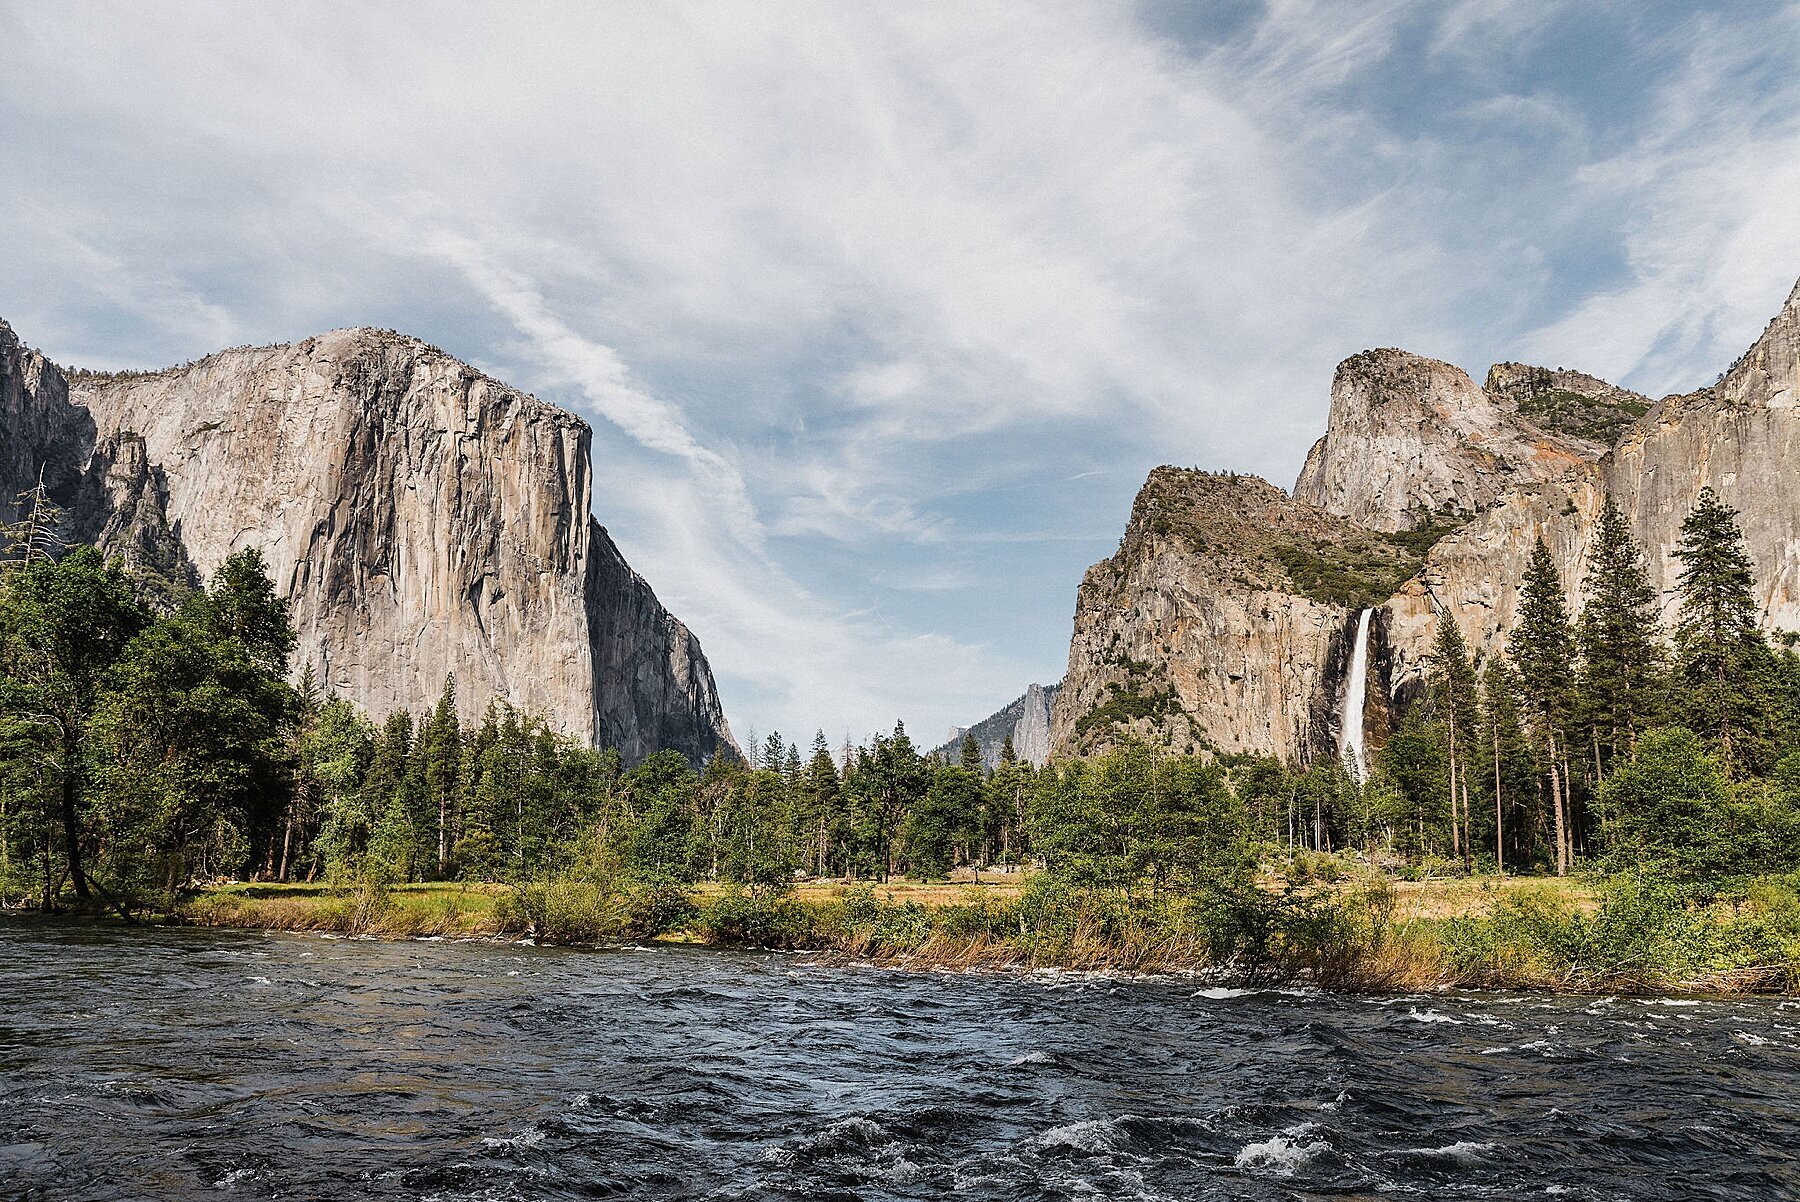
{"x":1259,"y":537}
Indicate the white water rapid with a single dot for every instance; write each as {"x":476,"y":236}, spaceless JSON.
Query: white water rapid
{"x":1350,"y":717}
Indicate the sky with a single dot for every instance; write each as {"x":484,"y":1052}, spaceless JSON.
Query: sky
{"x":882,"y":312}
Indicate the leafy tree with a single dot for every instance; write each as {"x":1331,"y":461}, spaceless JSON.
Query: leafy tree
{"x":193,"y":740}
{"x":246,"y":607}
{"x":1132,"y":817}
{"x":948,"y":814}
{"x":1672,"y":809}
{"x":885,"y":783}
{"x":660,"y":795}
{"x":65,"y":623}
{"x":338,"y":749}
{"x":1413,"y":762}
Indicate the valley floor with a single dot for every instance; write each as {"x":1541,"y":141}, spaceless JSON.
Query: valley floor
{"x":1578,"y":934}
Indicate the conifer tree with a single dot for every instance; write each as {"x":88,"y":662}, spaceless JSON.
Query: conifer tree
{"x":1453,"y":691}
{"x":440,"y":749}
{"x":1543,"y":647}
{"x":1617,"y":638}
{"x":1007,"y":789}
{"x":825,"y":810}
{"x":971,"y":753}
{"x":1504,"y":765}
{"x":1722,"y":658}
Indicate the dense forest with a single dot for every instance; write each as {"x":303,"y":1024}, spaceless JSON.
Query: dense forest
{"x":149,"y":747}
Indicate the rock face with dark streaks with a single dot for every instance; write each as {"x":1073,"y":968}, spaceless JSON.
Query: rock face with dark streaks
{"x":423,"y":520}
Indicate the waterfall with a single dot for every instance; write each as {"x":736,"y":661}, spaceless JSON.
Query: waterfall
{"x":1350,"y":718}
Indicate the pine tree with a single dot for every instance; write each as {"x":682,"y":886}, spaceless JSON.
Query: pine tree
{"x":440,"y":750}
{"x":1543,"y":647}
{"x":1453,"y":693}
{"x":34,"y":536}
{"x":826,"y":814}
{"x":1504,"y":762}
{"x":1722,"y":658}
{"x":971,"y":753}
{"x":1617,"y":638}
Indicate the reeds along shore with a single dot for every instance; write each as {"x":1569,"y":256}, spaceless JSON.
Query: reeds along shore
{"x":1619,"y":935}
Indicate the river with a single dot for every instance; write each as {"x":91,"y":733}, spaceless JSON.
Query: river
{"x":213,"y":1064}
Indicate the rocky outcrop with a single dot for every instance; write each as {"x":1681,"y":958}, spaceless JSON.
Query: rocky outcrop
{"x":1585,"y":409}
{"x":1413,"y":441}
{"x":1740,"y":437}
{"x":1026,"y":720}
{"x":1224,"y":622}
{"x":423,"y":520}
{"x":1470,"y":478}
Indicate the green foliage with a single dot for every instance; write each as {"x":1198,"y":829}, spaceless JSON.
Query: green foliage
{"x":1599,"y":419}
{"x":1649,"y":933}
{"x":1621,"y":659}
{"x":1132,"y":818}
{"x":1723,"y":665}
{"x":1675,"y":810}
{"x":1355,"y":574}
{"x":1136,"y":697}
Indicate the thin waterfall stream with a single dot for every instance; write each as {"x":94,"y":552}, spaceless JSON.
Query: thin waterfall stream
{"x":1356,"y":687}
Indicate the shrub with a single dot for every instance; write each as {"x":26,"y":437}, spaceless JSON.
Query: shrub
{"x":760,"y":920}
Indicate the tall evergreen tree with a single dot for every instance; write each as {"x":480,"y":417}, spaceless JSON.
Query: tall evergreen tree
{"x":1543,"y":647}
{"x":824,"y":811}
{"x":1723,"y":661}
{"x":1617,"y":637}
{"x":440,"y":754}
{"x":1453,"y":692}
{"x":1504,"y":764}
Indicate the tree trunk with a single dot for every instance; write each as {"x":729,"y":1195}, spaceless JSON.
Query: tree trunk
{"x":1556,"y":797}
{"x":1499,"y":826}
{"x":72,"y":825}
{"x":1468,"y":828}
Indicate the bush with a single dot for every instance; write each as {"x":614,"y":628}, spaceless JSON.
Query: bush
{"x":1649,"y":933}
{"x":760,"y":920}
{"x":565,"y":911}
{"x":656,"y":905}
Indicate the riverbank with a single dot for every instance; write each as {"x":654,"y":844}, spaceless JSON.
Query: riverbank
{"x":1361,"y":934}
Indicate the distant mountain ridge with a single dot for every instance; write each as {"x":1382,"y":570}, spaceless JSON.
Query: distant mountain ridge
{"x":423,"y":520}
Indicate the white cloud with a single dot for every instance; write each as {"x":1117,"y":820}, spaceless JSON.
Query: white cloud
{"x":1711,"y":229}
{"x":858,"y":293}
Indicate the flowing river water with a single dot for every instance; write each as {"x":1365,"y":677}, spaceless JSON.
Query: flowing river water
{"x":213,"y":1064}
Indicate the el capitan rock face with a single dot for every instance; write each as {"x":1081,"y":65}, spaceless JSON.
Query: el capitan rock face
{"x":1416,"y":452}
{"x":423,"y":520}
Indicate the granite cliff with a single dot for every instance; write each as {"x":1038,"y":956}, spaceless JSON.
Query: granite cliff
{"x":1224,"y":619}
{"x":1026,"y":720}
{"x":423,"y":520}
